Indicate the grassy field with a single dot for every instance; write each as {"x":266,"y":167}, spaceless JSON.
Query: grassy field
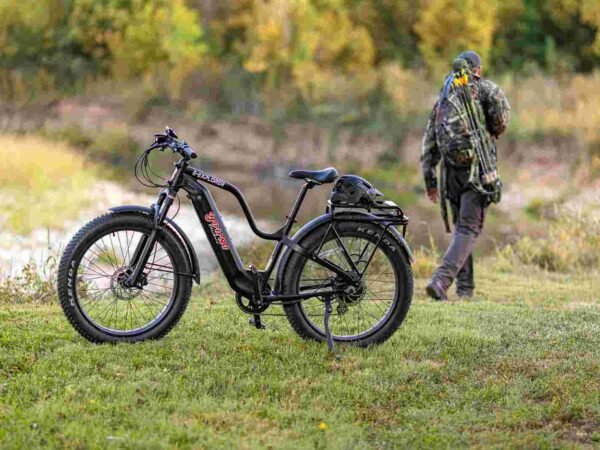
{"x":516,"y":367}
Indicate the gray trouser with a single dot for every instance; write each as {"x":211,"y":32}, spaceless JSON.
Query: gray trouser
{"x":457,"y":264}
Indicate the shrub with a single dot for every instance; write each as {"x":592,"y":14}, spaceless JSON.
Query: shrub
{"x":572,"y":243}
{"x":426,"y":259}
{"x":539,"y":209}
{"x":34,"y":284}
{"x":72,"y":134}
{"x":114,"y":145}
{"x":504,"y":260}
{"x":593,"y":154}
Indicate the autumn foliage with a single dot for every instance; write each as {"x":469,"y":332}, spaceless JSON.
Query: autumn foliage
{"x":284,"y":52}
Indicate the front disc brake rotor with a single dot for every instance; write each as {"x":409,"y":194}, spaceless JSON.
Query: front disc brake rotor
{"x":119,"y":290}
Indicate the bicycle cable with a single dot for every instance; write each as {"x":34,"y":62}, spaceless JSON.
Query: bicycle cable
{"x":144,"y":175}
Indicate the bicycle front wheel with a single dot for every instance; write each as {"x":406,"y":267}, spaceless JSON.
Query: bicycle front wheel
{"x":368,"y":311}
{"x":91,"y":278}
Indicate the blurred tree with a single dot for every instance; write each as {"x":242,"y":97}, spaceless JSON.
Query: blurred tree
{"x":334,"y":56}
{"x":312,"y":46}
{"x":447,"y":27}
{"x":590,"y":13}
{"x":132,"y":38}
{"x":391,"y":25}
{"x":54,"y":42}
{"x":228,"y":23}
{"x":574,"y":35}
{"x":33,"y":49}
{"x":278,"y":55}
{"x":517,"y":37}
{"x":555,"y":35}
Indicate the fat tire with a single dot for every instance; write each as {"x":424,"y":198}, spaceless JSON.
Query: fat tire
{"x":295,"y":263}
{"x":81,"y":242}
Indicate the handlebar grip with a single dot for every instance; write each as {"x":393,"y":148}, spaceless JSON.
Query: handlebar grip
{"x":186,"y":150}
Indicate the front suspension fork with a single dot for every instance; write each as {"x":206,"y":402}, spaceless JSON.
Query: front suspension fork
{"x":141,"y":255}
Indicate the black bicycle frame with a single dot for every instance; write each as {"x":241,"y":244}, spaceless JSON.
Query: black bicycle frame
{"x":241,"y":280}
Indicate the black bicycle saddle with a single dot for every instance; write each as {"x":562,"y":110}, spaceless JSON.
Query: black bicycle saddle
{"x":328,"y":175}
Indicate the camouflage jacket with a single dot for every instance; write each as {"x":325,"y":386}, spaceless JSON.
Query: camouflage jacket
{"x":497,"y":112}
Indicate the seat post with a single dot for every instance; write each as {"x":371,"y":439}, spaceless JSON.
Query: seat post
{"x":297,"y":204}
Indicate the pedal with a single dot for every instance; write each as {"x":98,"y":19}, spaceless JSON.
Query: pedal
{"x":256,"y":321}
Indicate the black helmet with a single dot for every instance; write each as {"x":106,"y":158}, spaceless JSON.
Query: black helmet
{"x":353,"y":190}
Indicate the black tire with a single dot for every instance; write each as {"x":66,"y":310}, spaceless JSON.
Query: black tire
{"x":298,"y":314}
{"x":71,"y":285}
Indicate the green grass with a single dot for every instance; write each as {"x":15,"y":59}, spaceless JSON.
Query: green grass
{"x":516,"y":367}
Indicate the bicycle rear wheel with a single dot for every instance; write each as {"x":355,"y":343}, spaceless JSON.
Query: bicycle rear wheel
{"x":368,"y":312}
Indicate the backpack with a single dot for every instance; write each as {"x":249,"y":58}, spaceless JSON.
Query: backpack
{"x":454,"y":135}
{"x":462,"y":134}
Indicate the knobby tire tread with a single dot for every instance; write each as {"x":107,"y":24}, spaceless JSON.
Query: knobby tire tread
{"x":303,"y":330}
{"x":180,"y":303}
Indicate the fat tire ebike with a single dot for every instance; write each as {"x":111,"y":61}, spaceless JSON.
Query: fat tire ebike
{"x":345,"y":276}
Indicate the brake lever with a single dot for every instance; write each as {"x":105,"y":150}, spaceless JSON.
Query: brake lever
{"x":155,"y":146}
{"x":169,"y":140}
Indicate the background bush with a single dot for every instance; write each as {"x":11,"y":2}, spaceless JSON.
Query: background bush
{"x":572,"y":244}
{"x":114,"y":145}
{"x":35,"y":284}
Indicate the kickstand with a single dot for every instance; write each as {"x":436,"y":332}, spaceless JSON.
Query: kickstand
{"x":328,"y":311}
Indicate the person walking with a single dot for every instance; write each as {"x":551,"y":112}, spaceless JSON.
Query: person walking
{"x":451,"y":141}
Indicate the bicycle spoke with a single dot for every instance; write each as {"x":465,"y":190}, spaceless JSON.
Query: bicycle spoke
{"x":106,"y":301}
{"x":352,"y":316}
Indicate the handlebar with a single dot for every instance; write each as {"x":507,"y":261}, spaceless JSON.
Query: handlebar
{"x":170,"y":140}
{"x":187,"y":151}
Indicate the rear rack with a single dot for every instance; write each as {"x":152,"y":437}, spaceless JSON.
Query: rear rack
{"x":386,"y":212}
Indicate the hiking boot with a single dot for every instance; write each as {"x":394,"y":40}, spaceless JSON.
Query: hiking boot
{"x":464,"y":295}
{"x":436,"y":291}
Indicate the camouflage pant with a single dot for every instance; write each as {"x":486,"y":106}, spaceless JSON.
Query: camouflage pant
{"x":469,"y":215}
